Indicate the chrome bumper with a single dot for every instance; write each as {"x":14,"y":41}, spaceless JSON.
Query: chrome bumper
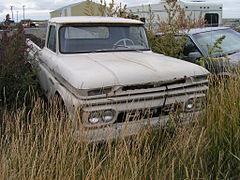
{"x":130,"y":128}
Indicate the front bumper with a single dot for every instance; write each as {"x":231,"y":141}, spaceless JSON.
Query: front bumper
{"x":131,"y":128}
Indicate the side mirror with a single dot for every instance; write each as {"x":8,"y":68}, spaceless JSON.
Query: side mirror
{"x":143,"y":20}
{"x":193,"y":56}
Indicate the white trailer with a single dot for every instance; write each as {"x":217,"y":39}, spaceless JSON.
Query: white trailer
{"x":210,"y":11}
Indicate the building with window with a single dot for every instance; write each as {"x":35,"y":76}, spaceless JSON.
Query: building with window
{"x":83,"y":8}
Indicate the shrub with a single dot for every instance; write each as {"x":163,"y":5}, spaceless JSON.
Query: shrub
{"x":237,"y":29}
{"x":176,"y":22}
{"x":16,"y":75}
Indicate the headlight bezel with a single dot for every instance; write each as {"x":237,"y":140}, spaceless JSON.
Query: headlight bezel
{"x":195,"y":104}
{"x":108,"y":116}
{"x":96,"y":118}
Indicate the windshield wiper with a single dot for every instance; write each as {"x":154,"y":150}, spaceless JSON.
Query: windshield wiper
{"x":117,"y":45}
{"x":99,"y":50}
{"x":229,"y":53}
{"x":127,"y":47}
{"x":232,"y":52}
{"x":112,"y":50}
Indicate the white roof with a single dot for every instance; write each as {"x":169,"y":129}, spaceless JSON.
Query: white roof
{"x":202,"y":2}
{"x":92,"y":19}
{"x":162,"y":3}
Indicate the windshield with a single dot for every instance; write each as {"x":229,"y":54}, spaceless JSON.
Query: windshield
{"x":102,"y":38}
{"x":230,"y":44}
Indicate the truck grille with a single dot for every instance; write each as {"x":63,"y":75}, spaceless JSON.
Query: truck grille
{"x":134,"y":94}
{"x":192,"y":87}
{"x":139,"y":114}
{"x":197,"y":83}
{"x":148,"y":113}
{"x":149,"y":86}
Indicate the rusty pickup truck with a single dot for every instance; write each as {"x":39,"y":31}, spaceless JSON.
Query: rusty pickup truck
{"x":106,"y":75}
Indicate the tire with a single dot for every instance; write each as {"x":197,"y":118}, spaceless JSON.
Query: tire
{"x":59,"y":106}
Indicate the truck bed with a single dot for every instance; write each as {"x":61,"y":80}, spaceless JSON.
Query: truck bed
{"x":36,"y":35}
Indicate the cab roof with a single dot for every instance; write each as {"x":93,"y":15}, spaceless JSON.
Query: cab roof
{"x":93,"y":19}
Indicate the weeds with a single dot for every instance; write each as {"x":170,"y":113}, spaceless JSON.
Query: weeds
{"x":16,"y":75}
{"x":44,"y":148}
{"x":177,"y":22}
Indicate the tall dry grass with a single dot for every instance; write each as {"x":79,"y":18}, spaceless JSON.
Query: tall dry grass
{"x":36,"y":144}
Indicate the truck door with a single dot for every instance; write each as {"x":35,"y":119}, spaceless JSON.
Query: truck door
{"x":46,"y":62}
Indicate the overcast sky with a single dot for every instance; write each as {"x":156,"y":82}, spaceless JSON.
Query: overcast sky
{"x":39,"y":9}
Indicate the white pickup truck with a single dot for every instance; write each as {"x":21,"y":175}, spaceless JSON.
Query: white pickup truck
{"x":104,"y":71}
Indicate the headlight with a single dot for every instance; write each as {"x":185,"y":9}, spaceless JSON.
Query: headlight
{"x":101,"y":116}
{"x":195,"y":104}
{"x":108,"y":116}
{"x":189,"y":105}
{"x":94,"y":118}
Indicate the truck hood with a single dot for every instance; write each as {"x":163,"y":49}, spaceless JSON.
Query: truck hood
{"x":97,"y":70}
